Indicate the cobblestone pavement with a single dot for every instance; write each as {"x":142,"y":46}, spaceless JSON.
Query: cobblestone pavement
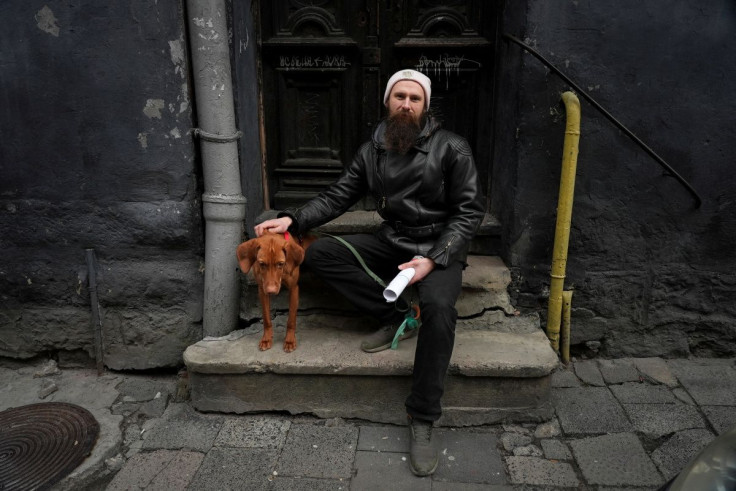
{"x":619,"y":424}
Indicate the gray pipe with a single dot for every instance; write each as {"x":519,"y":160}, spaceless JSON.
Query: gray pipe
{"x":94,"y":302}
{"x":223,"y":202}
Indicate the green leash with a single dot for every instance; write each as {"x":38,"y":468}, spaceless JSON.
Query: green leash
{"x":410,"y":322}
{"x":347,"y":244}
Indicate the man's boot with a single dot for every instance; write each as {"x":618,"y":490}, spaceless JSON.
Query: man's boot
{"x":423,"y":457}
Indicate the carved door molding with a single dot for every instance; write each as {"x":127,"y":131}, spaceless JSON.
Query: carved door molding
{"x":324,"y":65}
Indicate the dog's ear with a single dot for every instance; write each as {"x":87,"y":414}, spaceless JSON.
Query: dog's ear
{"x":247,"y":254}
{"x":294,"y":254}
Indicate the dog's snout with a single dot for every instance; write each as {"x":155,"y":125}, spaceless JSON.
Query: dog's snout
{"x":272,"y":288}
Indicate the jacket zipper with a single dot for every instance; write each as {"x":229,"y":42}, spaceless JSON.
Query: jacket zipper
{"x":382,"y":173}
{"x":447,"y":246}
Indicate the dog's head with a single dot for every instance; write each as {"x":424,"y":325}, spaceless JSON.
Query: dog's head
{"x":272,"y":257}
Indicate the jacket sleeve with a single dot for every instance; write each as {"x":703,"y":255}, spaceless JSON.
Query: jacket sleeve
{"x":464,"y":201}
{"x":335,"y":200}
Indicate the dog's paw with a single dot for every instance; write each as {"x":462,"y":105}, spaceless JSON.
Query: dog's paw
{"x":289,"y":346}
{"x":265,"y":344}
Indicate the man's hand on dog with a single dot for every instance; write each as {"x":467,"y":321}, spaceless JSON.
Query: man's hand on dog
{"x":422,"y":267}
{"x":275,"y":225}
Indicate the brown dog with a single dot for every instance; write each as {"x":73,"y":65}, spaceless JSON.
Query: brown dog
{"x":275,"y":260}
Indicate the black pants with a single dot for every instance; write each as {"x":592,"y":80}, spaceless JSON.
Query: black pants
{"x":438,"y":292}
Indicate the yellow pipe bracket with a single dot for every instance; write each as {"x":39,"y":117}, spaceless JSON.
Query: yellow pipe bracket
{"x":564,"y":217}
{"x":565,"y":334}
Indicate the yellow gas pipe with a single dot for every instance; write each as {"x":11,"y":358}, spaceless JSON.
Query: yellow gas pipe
{"x":564,"y":217}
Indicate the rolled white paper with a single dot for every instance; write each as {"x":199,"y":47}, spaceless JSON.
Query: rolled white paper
{"x":397,"y":285}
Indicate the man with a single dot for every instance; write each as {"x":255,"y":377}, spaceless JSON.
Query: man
{"x":425,"y":186}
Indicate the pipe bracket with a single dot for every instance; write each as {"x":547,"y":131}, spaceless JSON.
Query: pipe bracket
{"x":212,"y":137}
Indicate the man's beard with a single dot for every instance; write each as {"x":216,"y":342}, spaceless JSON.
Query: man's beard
{"x":402,"y":131}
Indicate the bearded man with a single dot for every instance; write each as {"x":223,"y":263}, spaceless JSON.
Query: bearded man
{"x":425,"y":185}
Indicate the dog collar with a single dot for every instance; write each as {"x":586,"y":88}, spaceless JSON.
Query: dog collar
{"x":286,"y":235}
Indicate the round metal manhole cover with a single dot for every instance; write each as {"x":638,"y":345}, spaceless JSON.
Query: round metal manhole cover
{"x":42,"y":443}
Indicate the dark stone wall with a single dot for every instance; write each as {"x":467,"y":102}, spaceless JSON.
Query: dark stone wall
{"x":652,"y":274}
{"x":95,"y":111}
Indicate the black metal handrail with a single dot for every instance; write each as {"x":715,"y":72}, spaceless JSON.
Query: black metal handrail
{"x":617,"y":123}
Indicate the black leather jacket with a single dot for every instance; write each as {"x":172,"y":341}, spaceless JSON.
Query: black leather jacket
{"x":430,"y":198}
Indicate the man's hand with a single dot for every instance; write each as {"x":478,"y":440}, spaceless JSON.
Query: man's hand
{"x":423,"y":266}
{"x":276,"y":225}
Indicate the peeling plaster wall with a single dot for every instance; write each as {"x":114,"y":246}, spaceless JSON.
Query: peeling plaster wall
{"x":95,"y":115}
{"x":652,"y":275}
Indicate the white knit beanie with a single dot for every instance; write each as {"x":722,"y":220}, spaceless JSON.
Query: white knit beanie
{"x":414,"y":76}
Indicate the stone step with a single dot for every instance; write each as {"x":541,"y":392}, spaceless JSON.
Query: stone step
{"x":485,"y":283}
{"x":500,"y":371}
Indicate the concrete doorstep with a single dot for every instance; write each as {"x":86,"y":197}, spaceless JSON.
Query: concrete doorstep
{"x":329,"y":376}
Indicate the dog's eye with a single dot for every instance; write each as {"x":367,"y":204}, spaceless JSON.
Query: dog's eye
{"x":280,"y":265}
{"x":261,"y":264}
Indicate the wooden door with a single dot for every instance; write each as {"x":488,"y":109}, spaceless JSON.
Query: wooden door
{"x":325,"y":65}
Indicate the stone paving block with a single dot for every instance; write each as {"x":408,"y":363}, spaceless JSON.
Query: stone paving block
{"x":179,"y":473}
{"x":548,"y":429}
{"x":540,"y":472}
{"x":295,"y":484}
{"x":386,"y":470}
{"x":462,"y":486}
{"x":615,"y":460}
{"x":642,"y":393}
{"x":588,"y":372}
{"x":467,"y":456}
{"x":589,"y":410}
{"x":711,"y":382}
{"x":510,"y":428}
{"x":682,"y":395}
{"x":144,"y":388}
{"x":156,"y":407}
{"x":674,"y":454}
{"x":126,"y":408}
{"x":618,"y":371}
{"x":555,"y":450}
{"x":657,"y":370}
{"x":183,"y":431}
{"x":722,"y":418}
{"x":235,"y":469}
{"x":565,"y":378}
{"x":511,"y":440}
{"x":384,"y":439}
{"x":319,"y":451}
{"x":657,"y":420}
{"x":253,"y":432}
{"x":529,"y":451}
{"x":141,"y":469}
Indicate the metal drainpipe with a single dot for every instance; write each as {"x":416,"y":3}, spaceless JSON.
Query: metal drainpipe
{"x":564,"y":217}
{"x":223,"y":202}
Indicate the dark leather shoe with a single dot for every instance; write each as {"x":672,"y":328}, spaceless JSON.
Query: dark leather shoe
{"x":423,"y":457}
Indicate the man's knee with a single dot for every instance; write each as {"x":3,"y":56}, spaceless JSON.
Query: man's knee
{"x":439,"y":303}
{"x":320,"y":252}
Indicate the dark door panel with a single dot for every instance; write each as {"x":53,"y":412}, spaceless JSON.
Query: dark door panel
{"x":325,"y":63}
